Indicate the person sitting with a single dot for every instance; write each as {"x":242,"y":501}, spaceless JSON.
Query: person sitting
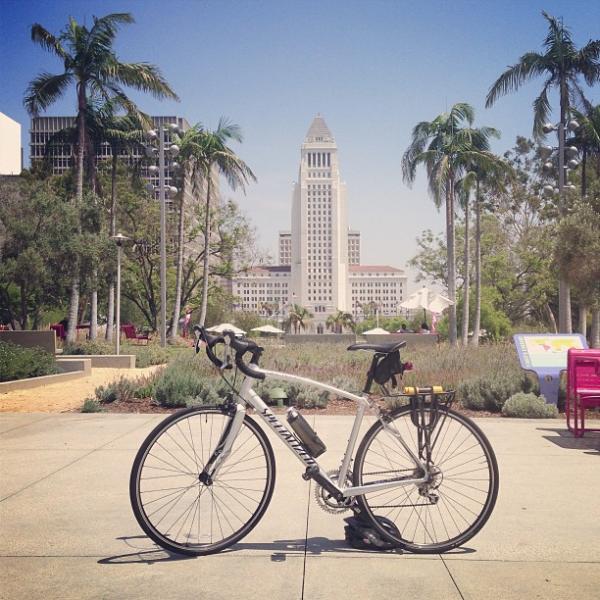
{"x":424,"y":328}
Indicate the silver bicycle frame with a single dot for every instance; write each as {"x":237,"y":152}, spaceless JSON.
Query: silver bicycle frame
{"x":247,"y":396}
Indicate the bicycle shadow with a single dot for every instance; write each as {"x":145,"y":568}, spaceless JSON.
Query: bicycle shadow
{"x":148,"y":553}
{"x":565,"y":439}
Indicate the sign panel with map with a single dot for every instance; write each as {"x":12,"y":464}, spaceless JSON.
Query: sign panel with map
{"x":546,"y":355}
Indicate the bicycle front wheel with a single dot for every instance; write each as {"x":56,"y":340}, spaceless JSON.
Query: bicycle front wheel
{"x":456,"y":501}
{"x":175,"y":508}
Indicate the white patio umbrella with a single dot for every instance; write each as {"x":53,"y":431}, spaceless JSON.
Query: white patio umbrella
{"x":267,"y":329}
{"x":428,"y":300}
{"x":376,"y":331}
{"x":226,"y":327}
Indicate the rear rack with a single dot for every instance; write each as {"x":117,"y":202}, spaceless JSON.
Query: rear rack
{"x":425,"y":405}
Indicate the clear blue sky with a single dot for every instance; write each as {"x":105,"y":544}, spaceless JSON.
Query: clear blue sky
{"x":373,"y":69}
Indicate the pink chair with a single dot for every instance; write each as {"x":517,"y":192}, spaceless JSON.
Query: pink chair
{"x":583,"y":388}
{"x":60,"y":331}
{"x":130,"y":334}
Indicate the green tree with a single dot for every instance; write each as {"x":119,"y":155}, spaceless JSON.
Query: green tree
{"x":37,"y":243}
{"x":577,"y":252}
{"x":340,"y":321}
{"x":562,"y":64}
{"x":214,"y":157}
{"x":298,"y":318}
{"x":91,"y":64}
{"x":448,"y":146}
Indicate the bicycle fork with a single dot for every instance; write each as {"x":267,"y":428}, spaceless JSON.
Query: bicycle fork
{"x":223,"y":449}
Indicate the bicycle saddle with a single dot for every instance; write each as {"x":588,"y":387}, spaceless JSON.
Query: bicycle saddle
{"x":382,"y":348}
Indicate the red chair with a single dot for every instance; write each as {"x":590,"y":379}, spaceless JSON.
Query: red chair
{"x":60,"y":331}
{"x":130,"y":334}
{"x":583,"y":388}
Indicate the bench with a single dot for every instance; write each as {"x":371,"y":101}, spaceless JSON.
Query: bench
{"x":131,"y":334}
{"x":583,"y":388}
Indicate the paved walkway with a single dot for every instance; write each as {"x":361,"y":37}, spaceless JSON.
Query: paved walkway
{"x":67,"y":530}
{"x":54,"y":397}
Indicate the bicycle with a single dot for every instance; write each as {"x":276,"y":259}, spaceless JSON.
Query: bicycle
{"x":424,"y":477}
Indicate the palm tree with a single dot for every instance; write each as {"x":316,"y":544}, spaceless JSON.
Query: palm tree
{"x":587,"y":140}
{"x":464,"y":187}
{"x":448,"y":146}
{"x":562,"y":64}
{"x":90,"y":63}
{"x":214,"y":157}
{"x":498,"y":172}
{"x":298,"y":318}
{"x":123,"y":134}
{"x":191,"y":153}
{"x":339,"y":321}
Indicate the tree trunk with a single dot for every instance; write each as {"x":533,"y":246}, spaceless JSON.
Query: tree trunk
{"x":179,"y":275}
{"x":564,"y":291}
{"x":110,"y":316}
{"x":551,"y":318}
{"x":94,"y":307}
{"x":595,"y":334}
{"x":477,"y":318}
{"x":74,"y":298}
{"x":467,"y":280}
{"x":23,"y":319}
{"x":583,"y":172}
{"x":451,"y":260}
{"x":206,"y":248}
{"x":582,"y":325}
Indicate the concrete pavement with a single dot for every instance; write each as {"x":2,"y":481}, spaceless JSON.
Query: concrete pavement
{"x":67,"y":529}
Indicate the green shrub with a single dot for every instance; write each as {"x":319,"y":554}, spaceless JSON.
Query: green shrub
{"x":490,"y":392}
{"x":89,"y":347}
{"x":529,"y":406}
{"x":145,"y":386}
{"x":122,"y":390}
{"x":91,"y":405}
{"x":182,"y":383}
{"x":147,"y":356}
{"x":304,"y":396}
{"x":17,"y":362}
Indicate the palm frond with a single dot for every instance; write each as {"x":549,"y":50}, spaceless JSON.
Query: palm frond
{"x":40,"y":35}
{"x":140,"y":76}
{"x":105,"y":28}
{"x":529,"y":65}
{"x":226,"y":130}
{"x":44,"y":90}
{"x":461,"y":112}
{"x":587,"y":62}
{"x":541,"y":110}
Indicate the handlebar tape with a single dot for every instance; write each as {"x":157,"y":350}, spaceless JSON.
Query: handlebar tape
{"x":240,"y":347}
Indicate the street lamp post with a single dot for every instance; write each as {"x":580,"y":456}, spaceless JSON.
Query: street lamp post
{"x":119,"y":240}
{"x":564,"y":293}
{"x":173,"y":151}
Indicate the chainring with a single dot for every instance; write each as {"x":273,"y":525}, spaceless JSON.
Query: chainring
{"x":326,"y":501}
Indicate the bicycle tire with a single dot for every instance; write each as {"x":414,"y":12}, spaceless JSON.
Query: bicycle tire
{"x":183,"y":462}
{"x":408,"y":509}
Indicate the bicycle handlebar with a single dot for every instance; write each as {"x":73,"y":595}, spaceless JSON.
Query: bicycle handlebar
{"x":240,"y":347}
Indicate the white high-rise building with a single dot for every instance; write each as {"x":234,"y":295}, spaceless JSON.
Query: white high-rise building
{"x":319,"y":260}
{"x":10,"y":146}
{"x":319,"y":228}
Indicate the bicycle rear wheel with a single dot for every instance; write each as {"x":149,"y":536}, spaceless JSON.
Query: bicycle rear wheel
{"x":177,"y":510}
{"x":457,"y":501}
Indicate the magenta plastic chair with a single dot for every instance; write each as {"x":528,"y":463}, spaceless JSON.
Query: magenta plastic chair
{"x":583,"y":388}
{"x":60,"y":330}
